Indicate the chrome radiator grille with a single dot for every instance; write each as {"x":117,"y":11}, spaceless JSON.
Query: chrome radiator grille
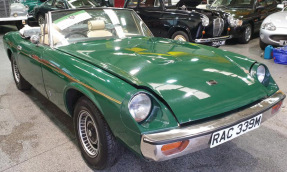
{"x":218,"y":25}
{"x":4,"y":8}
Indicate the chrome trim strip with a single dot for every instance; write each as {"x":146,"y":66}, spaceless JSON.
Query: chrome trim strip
{"x":14,"y":18}
{"x":222,"y":38}
{"x":199,"y":134}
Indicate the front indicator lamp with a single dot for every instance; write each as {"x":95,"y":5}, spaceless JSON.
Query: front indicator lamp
{"x":140,"y":106}
{"x":175,"y":147}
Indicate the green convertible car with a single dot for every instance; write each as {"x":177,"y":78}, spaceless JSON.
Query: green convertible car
{"x":161,"y":98}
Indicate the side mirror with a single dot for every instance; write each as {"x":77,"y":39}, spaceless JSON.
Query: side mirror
{"x":280,"y":6}
{"x":35,"y":39}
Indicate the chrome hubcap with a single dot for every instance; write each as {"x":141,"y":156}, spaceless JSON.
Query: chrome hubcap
{"x":16,"y":71}
{"x":247,"y":33}
{"x":179,"y":38}
{"x":88,"y":134}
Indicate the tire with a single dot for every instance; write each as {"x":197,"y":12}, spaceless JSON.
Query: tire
{"x":19,"y":25}
{"x":262,"y":44}
{"x":180,"y":36}
{"x":41,"y":19}
{"x":245,"y":38}
{"x":95,"y":134}
{"x":20,"y":82}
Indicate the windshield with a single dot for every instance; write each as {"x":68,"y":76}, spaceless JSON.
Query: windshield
{"x":95,"y":24}
{"x":82,"y":3}
{"x":233,"y":3}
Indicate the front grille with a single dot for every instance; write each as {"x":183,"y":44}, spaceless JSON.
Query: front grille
{"x":4,"y":8}
{"x":278,"y":37}
{"x":218,"y":25}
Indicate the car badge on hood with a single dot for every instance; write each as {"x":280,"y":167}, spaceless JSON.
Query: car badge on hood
{"x":211,"y":82}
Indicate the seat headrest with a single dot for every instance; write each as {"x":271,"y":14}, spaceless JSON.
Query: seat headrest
{"x":96,"y":25}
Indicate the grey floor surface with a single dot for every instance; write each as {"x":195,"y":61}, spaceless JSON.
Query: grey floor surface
{"x":36,"y":136}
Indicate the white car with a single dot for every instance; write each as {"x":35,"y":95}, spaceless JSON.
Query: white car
{"x":273,"y":30}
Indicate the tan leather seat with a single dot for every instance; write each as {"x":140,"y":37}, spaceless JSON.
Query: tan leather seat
{"x":44,"y":39}
{"x":97,"y":29}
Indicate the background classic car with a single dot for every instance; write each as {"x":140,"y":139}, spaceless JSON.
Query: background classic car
{"x":13,"y":12}
{"x":273,"y":30}
{"x":52,"y":5}
{"x":157,"y":96}
{"x":180,"y":20}
{"x":252,"y":12}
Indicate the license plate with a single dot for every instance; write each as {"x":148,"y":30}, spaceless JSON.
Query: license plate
{"x":230,"y":133}
{"x":218,"y":43}
{"x":283,"y":42}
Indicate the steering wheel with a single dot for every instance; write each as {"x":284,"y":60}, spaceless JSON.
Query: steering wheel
{"x":75,"y":33}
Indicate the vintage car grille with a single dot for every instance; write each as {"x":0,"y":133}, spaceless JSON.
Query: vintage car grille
{"x":218,"y":25}
{"x":4,"y":8}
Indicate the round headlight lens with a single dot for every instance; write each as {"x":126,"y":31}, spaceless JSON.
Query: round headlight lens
{"x":261,"y":73}
{"x":204,"y":20}
{"x":140,"y":106}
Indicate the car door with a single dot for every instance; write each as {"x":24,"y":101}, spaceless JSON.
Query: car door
{"x":151,"y":12}
{"x":29,"y":61}
{"x":261,"y":12}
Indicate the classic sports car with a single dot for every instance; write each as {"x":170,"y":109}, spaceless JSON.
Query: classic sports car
{"x":181,"y":20}
{"x":52,"y":5}
{"x":251,"y":12}
{"x":273,"y":30}
{"x":159,"y":97}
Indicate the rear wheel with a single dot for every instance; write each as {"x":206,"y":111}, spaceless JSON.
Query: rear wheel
{"x":180,"y":36}
{"x":247,"y":34}
{"x":97,"y":143}
{"x":21,"y":83}
{"x":262,"y":44}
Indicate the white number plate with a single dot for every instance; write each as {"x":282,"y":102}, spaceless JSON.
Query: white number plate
{"x":218,"y":43}
{"x":230,"y":133}
{"x":283,"y":42}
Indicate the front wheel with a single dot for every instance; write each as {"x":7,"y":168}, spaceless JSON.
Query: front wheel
{"x":97,"y":143}
{"x":180,"y":36}
{"x":20,"y":82}
{"x":247,"y":34}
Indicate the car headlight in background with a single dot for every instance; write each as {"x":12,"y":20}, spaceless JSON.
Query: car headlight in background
{"x":140,"y":106}
{"x":234,"y":22}
{"x":204,"y":20}
{"x":268,"y":26}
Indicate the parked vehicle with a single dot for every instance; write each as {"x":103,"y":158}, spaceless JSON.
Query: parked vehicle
{"x":52,"y":5}
{"x":273,"y":30}
{"x":159,"y":97}
{"x":13,"y":12}
{"x":180,"y":20}
{"x":251,"y":12}
{"x":31,"y":5}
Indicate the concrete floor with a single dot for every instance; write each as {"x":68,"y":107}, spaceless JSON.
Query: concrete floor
{"x":36,"y":136}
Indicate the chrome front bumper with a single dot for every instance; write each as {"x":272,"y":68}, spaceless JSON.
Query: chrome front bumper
{"x":207,"y":40}
{"x":199,"y":135}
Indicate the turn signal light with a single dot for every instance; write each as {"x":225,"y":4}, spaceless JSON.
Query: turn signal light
{"x":203,"y":32}
{"x":228,"y":29}
{"x":276,"y":108}
{"x":175,"y":147}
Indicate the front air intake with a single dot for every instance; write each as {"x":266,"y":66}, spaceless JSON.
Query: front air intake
{"x":218,"y":25}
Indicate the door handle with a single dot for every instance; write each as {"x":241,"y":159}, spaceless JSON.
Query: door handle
{"x":19,"y":47}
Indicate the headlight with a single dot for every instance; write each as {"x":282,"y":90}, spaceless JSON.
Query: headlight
{"x":268,"y":26}
{"x":204,"y":20}
{"x":262,"y":74}
{"x":140,"y":106}
{"x":234,"y":22}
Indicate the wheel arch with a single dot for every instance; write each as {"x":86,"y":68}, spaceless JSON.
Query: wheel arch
{"x":73,"y":92}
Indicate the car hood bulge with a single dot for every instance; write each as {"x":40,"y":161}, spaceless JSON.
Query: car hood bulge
{"x":278,"y":19}
{"x":194,"y":80}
